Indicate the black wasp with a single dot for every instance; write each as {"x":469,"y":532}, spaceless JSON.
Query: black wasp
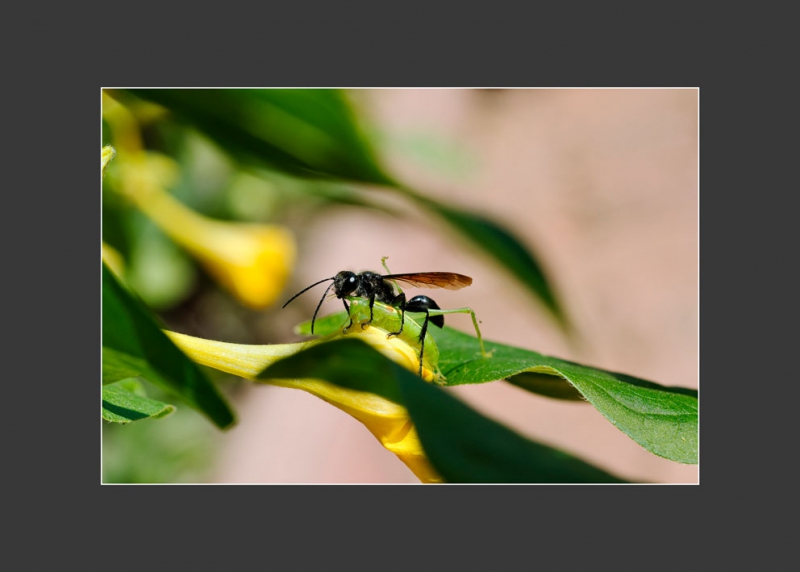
{"x":379,"y":287}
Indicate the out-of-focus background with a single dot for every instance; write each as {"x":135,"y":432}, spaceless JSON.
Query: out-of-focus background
{"x":602,"y":184}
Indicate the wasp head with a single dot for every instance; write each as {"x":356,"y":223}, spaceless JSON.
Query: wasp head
{"x":345,"y":283}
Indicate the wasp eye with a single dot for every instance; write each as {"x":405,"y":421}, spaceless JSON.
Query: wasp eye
{"x":346,"y":282}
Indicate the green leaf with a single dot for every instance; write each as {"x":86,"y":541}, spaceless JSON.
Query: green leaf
{"x":306,"y":132}
{"x":504,"y":248}
{"x":322,"y":326}
{"x":662,"y":419}
{"x":124,"y":402}
{"x":133,"y":343}
{"x":462,"y":445}
{"x":118,"y":365}
{"x":482,"y":450}
{"x":159,"y":271}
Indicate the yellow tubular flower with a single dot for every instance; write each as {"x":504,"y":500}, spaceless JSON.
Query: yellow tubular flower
{"x":386,"y":420}
{"x":252,"y":261}
{"x":110,"y":256}
{"x":106,"y":154}
{"x":113,"y":260}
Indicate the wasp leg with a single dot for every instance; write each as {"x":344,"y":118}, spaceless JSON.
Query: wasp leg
{"x":424,"y":304}
{"x":347,"y":309}
{"x":371,"y":315}
{"x":475,"y":322}
{"x":399,"y":302}
{"x":422,"y":333}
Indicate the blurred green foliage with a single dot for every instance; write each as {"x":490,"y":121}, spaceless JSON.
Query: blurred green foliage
{"x":179,"y":448}
{"x":316,"y":134}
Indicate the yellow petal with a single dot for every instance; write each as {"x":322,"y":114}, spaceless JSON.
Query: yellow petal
{"x":395,"y":348}
{"x":123,"y":125}
{"x":113,"y":260}
{"x":106,"y":154}
{"x":386,"y":420}
{"x":253,"y":261}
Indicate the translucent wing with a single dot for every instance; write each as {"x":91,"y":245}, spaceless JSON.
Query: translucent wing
{"x":446,"y":280}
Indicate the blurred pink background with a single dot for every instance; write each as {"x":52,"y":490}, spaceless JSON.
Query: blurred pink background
{"x":601,"y":183}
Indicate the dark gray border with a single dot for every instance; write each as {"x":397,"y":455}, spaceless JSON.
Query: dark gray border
{"x":732,"y":54}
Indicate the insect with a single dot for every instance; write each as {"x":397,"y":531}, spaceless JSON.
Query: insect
{"x":387,"y":320}
{"x":377,"y":287}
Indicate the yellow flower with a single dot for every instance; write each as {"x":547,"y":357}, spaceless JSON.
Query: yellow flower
{"x":252,"y":261}
{"x":113,"y":260}
{"x":396,"y":349}
{"x":106,"y":154}
{"x":111,"y":257}
{"x":389,"y":422}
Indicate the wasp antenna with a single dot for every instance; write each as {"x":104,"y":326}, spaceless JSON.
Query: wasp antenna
{"x":307,"y":288}
{"x":313,"y":319}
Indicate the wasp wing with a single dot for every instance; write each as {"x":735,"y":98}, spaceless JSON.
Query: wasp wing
{"x":446,"y":280}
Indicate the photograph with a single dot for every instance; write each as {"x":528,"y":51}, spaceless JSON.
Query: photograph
{"x":400,"y":286}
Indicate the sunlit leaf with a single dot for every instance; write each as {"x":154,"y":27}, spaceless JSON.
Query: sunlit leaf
{"x":662,"y":419}
{"x":120,"y":365}
{"x":124,"y":402}
{"x":462,"y":445}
